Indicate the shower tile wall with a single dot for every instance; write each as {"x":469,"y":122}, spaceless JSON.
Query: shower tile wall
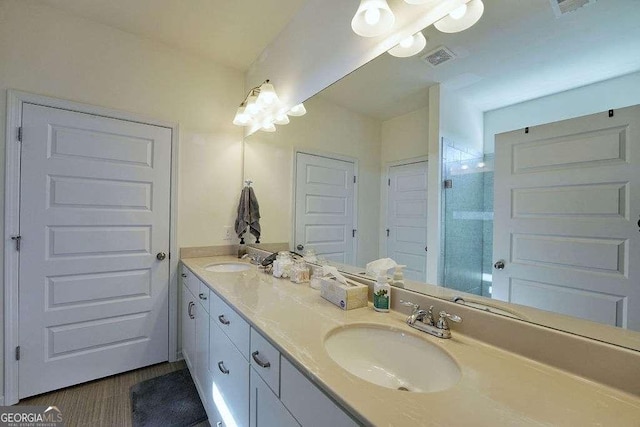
{"x":468,"y":227}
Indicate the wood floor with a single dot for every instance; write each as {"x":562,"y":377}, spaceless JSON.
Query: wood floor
{"x":102,"y":402}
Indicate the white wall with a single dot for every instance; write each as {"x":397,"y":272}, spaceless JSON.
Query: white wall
{"x":405,"y":137}
{"x":48,"y":52}
{"x":460,"y":122}
{"x":610,"y":94}
{"x":327,"y":128}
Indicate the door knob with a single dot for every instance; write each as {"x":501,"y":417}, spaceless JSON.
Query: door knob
{"x":499,"y":265}
{"x":300,"y":247}
{"x":161,"y":256}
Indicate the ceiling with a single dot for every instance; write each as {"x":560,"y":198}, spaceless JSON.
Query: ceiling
{"x":518,"y":51}
{"x":230,"y":32}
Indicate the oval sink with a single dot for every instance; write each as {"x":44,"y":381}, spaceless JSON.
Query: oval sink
{"x":229,"y":267}
{"x":392,"y":358}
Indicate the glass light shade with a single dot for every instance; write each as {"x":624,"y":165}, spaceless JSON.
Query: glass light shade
{"x":252,"y":106}
{"x":268,"y":127}
{"x":282,"y":119}
{"x":373,"y":18}
{"x":416,"y":1}
{"x":298,"y":111}
{"x":410,"y":46}
{"x":267,"y":94}
{"x":241,"y":118}
{"x":449,"y":24}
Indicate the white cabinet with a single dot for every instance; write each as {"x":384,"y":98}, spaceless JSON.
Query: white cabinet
{"x":202,"y":375}
{"x":307,"y":403}
{"x":265,"y":358}
{"x":266,"y":408}
{"x":188,"y":328}
{"x":233,"y":325}
{"x":230,"y":375}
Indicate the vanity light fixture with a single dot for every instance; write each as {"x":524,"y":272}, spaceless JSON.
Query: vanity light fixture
{"x":298,"y":111}
{"x":410,"y":46}
{"x":461,"y":18}
{"x":263,"y":110}
{"x":373,"y":18}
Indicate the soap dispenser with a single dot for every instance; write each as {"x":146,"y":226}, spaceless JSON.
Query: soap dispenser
{"x":381,"y":293}
{"x":398,"y":276}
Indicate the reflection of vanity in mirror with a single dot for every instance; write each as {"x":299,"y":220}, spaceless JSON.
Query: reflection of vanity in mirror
{"x":400,"y":159}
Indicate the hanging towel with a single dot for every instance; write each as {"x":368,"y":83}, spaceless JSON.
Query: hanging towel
{"x":248,"y":214}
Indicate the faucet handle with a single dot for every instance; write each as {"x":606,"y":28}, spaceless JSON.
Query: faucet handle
{"x":442,"y":322}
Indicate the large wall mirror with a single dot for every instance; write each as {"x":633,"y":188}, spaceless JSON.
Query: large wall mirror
{"x":539,"y":223}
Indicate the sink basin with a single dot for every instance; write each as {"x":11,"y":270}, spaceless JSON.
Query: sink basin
{"x":392,"y":358}
{"x":229,"y":267}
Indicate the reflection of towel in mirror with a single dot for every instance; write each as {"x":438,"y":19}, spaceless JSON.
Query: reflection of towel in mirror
{"x":248,"y":214}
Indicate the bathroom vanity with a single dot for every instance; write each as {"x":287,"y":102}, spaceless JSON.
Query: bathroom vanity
{"x":267,"y":349}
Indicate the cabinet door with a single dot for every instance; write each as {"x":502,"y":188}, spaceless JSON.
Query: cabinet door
{"x":230,"y":374}
{"x":310,"y":406}
{"x":202,"y":375}
{"x":265,"y":408}
{"x":188,"y":328}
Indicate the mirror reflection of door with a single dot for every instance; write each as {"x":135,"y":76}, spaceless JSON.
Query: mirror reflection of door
{"x":324,"y":207}
{"x":407,"y":218}
{"x":566,"y":213}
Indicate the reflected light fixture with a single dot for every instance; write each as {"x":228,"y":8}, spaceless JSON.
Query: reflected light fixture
{"x":416,"y":1}
{"x":298,"y":111}
{"x":461,"y":18}
{"x":263,"y":110}
{"x":373,"y":18}
{"x":410,"y":46}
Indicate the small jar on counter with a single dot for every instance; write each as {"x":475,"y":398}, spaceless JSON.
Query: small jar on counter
{"x":316,"y":278}
{"x":300,"y":272}
{"x":283,"y":264}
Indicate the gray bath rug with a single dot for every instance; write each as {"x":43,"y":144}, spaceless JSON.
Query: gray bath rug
{"x":168,"y":400}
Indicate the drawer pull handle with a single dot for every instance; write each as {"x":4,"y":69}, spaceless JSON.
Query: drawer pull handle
{"x":184,"y":275}
{"x":258,"y":361}
{"x":202,"y":296}
{"x":222,"y":320}
{"x":191,"y":305}
{"x":222,"y":368}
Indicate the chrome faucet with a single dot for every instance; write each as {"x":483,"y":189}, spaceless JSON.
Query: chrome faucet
{"x":423,"y":321}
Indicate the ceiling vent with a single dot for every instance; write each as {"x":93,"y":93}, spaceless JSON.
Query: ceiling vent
{"x":560,"y":7}
{"x":438,"y":56}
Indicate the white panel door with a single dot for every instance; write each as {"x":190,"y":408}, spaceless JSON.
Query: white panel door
{"x":94,"y":211}
{"x":324,"y":207}
{"x":407,"y":218}
{"x":567,"y":204}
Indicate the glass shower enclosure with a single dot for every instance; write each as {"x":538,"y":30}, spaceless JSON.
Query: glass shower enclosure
{"x":467,"y":229}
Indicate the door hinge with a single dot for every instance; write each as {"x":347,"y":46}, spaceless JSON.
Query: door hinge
{"x":353,"y":232}
{"x":18,"y":353}
{"x":20,"y":134}
{"x":389,"y":182}
{"x":354,"y":179}
{"x":17,"y":240}
{"x":169,"y":255}
{"x":387,"y":232}
{"x":526,"y":130}
{"x":448,"y":183}
{"x":610,"y":113}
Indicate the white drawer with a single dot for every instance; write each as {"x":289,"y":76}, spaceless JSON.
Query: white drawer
{"x":266,"y":361}
{"x":190,"y":279}
{"x":306,"y":402}
{"x":203,"y":295}
{"x":236,"y":328}
{"x":230,"y":373}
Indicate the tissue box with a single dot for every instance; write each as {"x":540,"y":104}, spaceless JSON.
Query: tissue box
{"x":347,"y":297}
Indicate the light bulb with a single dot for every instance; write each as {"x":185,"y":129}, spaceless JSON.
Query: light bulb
{"x":282,"y":119}
{"x":252,"y":106}
{"x":481,"y":165}
{"x":372,"y":16}
{"x":459,"y":12}
{"x":241,"y":118}
{"x":407,"y":42}
{"x":267,"y":94}
{"x":268,"y":127}
{"x":464,"y":167}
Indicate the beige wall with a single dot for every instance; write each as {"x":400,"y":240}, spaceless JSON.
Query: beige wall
{"x":47,"y":52}
{"x":327,"y":128}
{"x":405,"y":137}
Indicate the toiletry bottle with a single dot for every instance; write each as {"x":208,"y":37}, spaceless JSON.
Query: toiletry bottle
{"x":381,"y":293}
{"x":398,"y":276}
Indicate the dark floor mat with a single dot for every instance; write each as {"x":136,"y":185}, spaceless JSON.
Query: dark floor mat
{"x":168,"y":400}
